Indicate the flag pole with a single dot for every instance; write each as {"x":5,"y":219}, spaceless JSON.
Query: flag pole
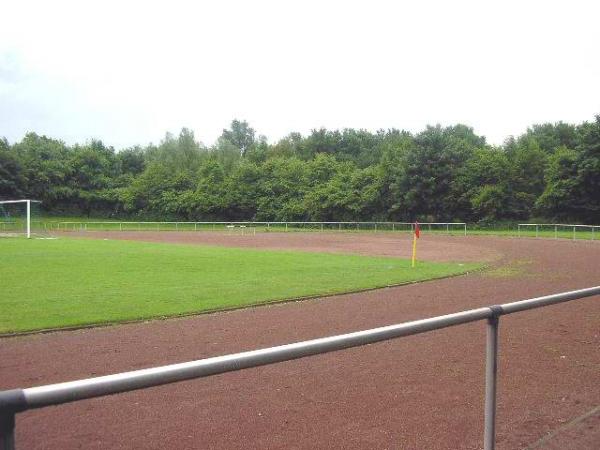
{"x":416,"y":235}
{"x":414,"y":252}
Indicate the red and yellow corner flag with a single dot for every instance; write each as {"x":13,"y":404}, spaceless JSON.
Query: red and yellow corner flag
{"x":416,"y":236}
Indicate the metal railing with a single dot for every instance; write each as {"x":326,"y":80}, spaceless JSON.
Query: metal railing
{"x":19,"y":400}
{"x":447,"y":227}
{"x":557,"y":230}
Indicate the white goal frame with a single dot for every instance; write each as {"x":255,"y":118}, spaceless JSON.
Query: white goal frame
{"x":28,"y":206}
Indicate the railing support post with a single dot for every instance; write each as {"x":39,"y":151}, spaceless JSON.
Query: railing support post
{"x":491,"y":371}
{"x":7,"y":431}
{"x":11,"y":402}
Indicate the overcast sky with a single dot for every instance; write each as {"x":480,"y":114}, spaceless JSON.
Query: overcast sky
{"x":127,"y":72}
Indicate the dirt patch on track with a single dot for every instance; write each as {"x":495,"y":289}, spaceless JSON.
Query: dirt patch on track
{"x":433,"y":248}
{"x":421,"y":392}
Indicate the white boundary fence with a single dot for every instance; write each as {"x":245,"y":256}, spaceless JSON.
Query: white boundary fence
{"x":447,"y":227}
{"x":19,"y":400}
{"x":563,"y":231}
{"x":557,"y":230}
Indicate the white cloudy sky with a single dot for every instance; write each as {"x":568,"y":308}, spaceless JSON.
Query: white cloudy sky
{"x":127,"y":71}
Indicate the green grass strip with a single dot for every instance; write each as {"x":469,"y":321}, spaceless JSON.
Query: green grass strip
{"x":69,"y":282}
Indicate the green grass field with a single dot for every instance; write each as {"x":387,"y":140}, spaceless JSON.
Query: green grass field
{"x":70,"y":282}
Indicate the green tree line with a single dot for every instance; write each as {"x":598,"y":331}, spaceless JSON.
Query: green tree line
{"x":551,"y":171}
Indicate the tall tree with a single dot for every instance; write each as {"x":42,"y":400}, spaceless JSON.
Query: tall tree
{"x":573,"y":179}
{"x":46,"y":169}
{"x":551,"y":136}
{"x":588,"y":175}
{"x":560,"y":197}
{"x":12,"y":180}
{"x":181,"y":153}
{"x":482,"y":186}
{"x":528,"y":165}
{"x":93,"y":172}
{"x":429,"y":169}
{"x":240,"y":134}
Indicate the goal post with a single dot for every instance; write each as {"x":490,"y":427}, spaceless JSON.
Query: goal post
{"x":17,"y":217}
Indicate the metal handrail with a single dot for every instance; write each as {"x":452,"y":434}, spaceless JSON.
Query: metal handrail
{"x":18,"y":400}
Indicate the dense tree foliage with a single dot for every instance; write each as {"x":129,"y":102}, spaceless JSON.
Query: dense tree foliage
{"x":442,"y":173}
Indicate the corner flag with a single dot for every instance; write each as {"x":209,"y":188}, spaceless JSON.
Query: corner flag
{"x":416,"y":236}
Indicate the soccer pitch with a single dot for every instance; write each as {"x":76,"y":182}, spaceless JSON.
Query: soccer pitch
{"x":70,"y":282}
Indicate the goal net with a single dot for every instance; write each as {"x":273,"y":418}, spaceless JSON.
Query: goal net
{"x":20,"y":218}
